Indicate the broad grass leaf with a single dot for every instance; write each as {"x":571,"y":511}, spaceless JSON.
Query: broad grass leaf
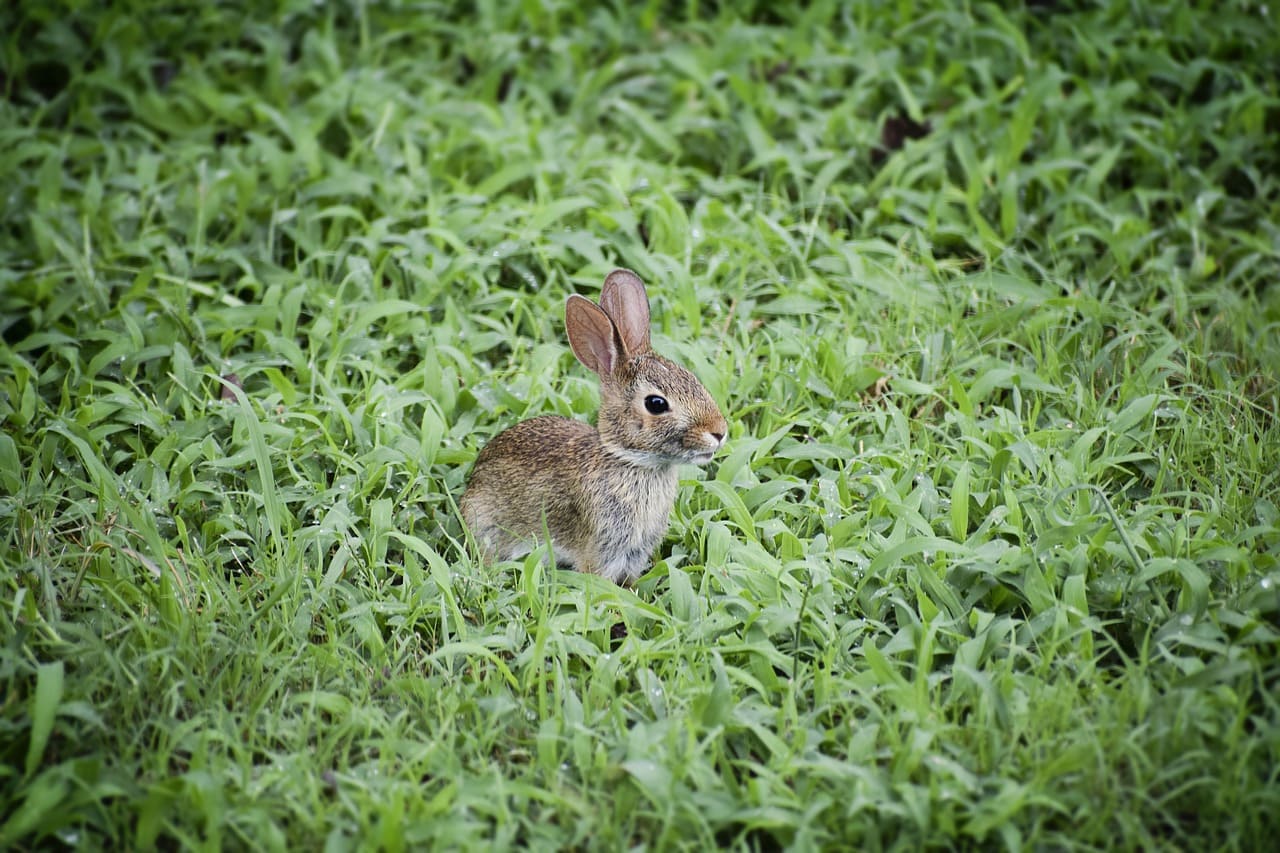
{"x":647,"y":126}
{"x":1194,"y":581}
{"x":1008,"y":377}
{"x":1074,"y":594}
{"x":884,"y":672}
{"x":1136,"y":412}
{"x":894,"y":557}
{"x":467,"y":650}
{"x":1022,"y":123}
{"x":794,"y":305}
{"x":98,"y":472}
{"x":1038,"y":593}
{"x":1101,"y":168}
{"x":44,"y":710}
{"x":651,"y":777}
{"x":377,"y":311}
{"x":939,"y":591}
{"x":10,"y":466}
{"x":812,"y":450}
{"x":271,"y":504}
{"x":960,"y":503}
{"x":714,"y":707}
{"x":1014,"y":288}
{"x":334,"y":704}
{"x":684,"y":602}
{"x":42,"y":801}
{"x":434,"y":429}
{"x":439,"y":570}
{"x":514,"y":172}
{"x":557,"y":210}
{"x":733,"y":505}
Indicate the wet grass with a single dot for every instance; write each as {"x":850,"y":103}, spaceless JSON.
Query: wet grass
{"x":988,"y":297}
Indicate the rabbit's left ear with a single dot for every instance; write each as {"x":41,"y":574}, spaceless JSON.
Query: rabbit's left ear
{"x":591,"y":335}
{"x":624,"y":299}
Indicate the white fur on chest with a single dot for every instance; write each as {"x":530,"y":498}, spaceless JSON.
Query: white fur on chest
{"x":637,"y":510}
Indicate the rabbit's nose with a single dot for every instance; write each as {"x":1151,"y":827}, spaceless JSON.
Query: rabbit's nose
{"x":718,"y":436}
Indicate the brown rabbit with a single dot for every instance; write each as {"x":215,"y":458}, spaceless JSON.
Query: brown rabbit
{"x":604,"y":494}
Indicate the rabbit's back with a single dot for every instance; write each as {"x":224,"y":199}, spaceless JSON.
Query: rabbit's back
{"x":517,"y":483}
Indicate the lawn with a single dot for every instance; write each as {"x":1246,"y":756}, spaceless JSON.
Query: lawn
{"x":989,"y":294}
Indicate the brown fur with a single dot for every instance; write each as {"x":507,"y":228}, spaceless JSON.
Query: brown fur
{"x":604,"y":495}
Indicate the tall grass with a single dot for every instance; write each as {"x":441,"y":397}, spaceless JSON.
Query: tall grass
{"x":988,"y":295}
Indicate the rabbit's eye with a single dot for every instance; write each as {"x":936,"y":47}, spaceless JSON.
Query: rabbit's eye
{"x":655,"y":405}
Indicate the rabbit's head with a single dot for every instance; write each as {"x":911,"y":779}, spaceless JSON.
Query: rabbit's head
{"x":653,"y":412}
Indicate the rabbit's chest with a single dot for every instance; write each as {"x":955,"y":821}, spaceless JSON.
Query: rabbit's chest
{"x":637,"y":509}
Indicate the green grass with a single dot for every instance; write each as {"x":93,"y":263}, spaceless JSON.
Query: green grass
{"x":992,"y":558}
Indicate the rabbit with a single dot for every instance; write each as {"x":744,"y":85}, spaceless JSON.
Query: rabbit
{"x":604,"y":494}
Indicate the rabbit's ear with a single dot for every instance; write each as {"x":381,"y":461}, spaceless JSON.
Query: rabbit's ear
{"x":591,"y":334}
{"x":623,"y":298}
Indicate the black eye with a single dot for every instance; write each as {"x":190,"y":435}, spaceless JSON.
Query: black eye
{"x":655,"y":405}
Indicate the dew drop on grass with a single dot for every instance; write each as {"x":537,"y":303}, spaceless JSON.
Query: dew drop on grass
{"x":62,"y":462}
{"x":1265,"y":583}
{"x":1185,"y":621}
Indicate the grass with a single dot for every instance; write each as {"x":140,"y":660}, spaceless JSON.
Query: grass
{"x":988,"y":296}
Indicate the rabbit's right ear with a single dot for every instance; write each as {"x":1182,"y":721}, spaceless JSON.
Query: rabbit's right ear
{"x":591,"y":335}
{"x":624,"y":299}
